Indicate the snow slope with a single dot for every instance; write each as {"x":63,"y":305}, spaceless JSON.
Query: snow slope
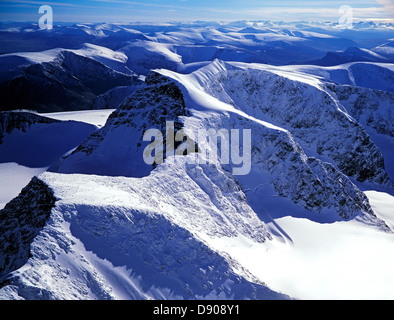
{"x":87,"y":260}
{"x":30,"y":143}
{"x":97,"y":118}
{"x":13,"y":63}
{"x":385,"y":50}
{"x":339,"y":261}
{"x":14,"y":177}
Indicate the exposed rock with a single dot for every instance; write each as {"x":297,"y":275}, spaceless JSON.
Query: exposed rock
{"x":15,"y":120}
{"x":20,"y":222}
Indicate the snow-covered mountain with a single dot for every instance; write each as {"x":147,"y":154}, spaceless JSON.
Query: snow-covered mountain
{"x":58,"y":80}
{"x":52,"y":71}
{"x":385,"y":50}
{"x":300,"y":104}
{"x":352,"y":54}
{"x":312,"y":218}
{"x":75,"y":245}
{"x":175,"y":44}
{"x":162,"y":101}
{"x":377,"y":76}
{"x":115,"y":190}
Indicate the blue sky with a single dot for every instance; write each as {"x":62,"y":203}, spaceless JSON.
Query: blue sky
{"x":190,"y":10}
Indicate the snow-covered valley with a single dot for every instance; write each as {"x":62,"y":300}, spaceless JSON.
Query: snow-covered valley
{"x":83,"y":216}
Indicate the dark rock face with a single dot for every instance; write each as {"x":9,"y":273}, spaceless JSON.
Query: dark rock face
{"x":159,"y":101}
{"x":371,"y":108}
{"x":121,"y":139}
{"x":150,"y":107}
{"x":20,"y":222}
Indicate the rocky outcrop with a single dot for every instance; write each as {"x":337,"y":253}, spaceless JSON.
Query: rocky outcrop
{"x":371,"y":108}
{"x":20,"y":222}
{"x":117,"y":148}
{"x":20,"y":120}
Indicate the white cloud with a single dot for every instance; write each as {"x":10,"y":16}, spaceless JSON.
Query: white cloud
{"x":285,"y":13}
{"x":387,"y":4}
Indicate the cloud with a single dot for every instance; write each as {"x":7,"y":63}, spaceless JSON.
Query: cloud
{"x":387,"y":4}
{"x":295,"y":13}
{"x":145,"y":4}
{"x":38,"y":2}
